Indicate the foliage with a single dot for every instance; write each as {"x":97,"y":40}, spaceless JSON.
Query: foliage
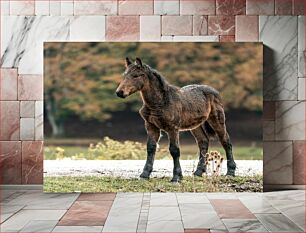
{"x":109,"y":149}
{"x":56,"y":153}
{"x":81,"y":78}
{"x":116,"y":184}
{"x":112,"y":149}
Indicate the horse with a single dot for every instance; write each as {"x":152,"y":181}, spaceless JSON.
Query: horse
{"x":194,"y":108}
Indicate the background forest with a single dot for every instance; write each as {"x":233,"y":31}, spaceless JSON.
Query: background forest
{"x":81,"y":78}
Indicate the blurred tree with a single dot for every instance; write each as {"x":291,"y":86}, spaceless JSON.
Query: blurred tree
{"x":81,"y":78}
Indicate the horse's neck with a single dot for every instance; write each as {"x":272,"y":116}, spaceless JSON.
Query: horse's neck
{"x":153,"y":95}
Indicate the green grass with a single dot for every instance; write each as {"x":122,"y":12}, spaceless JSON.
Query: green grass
{"x":188,"y":151}
{"x":189,"y":184}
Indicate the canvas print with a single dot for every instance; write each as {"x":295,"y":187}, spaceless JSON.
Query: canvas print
{"x":152,"y":117}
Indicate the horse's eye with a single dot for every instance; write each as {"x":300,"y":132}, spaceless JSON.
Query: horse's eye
{"x":135,"y":76}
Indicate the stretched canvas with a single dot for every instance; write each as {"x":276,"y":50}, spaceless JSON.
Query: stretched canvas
{"x":152,"y":117}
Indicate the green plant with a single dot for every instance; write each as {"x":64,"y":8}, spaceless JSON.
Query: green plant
{"x":55,"y":153}
{"x":109,"y":149}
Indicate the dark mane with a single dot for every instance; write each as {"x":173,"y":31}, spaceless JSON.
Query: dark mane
{"x":155,"y":74}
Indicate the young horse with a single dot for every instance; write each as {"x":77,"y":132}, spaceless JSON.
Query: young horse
{"x":196,"y":108}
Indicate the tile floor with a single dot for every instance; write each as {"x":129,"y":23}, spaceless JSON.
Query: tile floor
{"x":35,"y":211}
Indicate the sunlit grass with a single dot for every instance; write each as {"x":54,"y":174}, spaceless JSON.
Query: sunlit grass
{"x":189,"y":184}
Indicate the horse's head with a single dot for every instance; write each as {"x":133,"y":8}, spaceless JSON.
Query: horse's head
{"x":134,"y":78}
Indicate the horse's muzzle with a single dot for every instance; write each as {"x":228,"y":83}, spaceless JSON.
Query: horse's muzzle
{"x":120,"y":94}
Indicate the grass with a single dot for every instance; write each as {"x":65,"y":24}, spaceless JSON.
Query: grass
{"x":188,"y":151}
{"x":189,"y":184}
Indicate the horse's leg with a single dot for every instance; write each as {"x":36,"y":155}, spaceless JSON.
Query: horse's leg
{"x":217,"y":121}
{"x":153,"y":137}
{"x":203,"y":141}
{"x":175,"y":153}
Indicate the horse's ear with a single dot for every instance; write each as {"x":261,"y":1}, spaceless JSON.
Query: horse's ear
{"x":127,"y":62}
{"x":138,"y":61}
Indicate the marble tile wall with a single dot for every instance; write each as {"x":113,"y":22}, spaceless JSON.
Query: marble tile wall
{"x":246,"y":28}
{"x":221,"y":25}
{"x":26,"y":24}
{"x":150,"y":27}
{"x":284,"y":95}
{"x":32,"y":162}
{"x":280,"y":37}
{"x":10,"y":162}
{"x":89,"y":25}
{"x":278,"y":162}
{"x":95,"y":7}
{"x":167,"y":7}
{"x":122,"y":28}
{"x":260,"y":7}
{"x":301,"y":47}
{"x":230,"y":7}
{"x":135,"y":7}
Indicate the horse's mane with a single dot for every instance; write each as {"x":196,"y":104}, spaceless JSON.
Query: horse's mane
{"x":161,"y":79}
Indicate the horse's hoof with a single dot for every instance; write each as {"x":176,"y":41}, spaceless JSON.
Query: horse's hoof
{"x":145,"y":175}
{"x":143,"y":178}
{"x":198,"y":173}
{"x":230,"y":173}
{"x":176,"y":179}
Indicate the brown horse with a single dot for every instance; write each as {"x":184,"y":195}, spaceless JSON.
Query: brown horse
{"x":196,"y":108}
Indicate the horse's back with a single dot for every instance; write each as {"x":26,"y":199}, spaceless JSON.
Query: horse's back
{"x":195,"y":89}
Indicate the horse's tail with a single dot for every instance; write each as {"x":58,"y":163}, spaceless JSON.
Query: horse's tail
{"x":208,"y":129}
